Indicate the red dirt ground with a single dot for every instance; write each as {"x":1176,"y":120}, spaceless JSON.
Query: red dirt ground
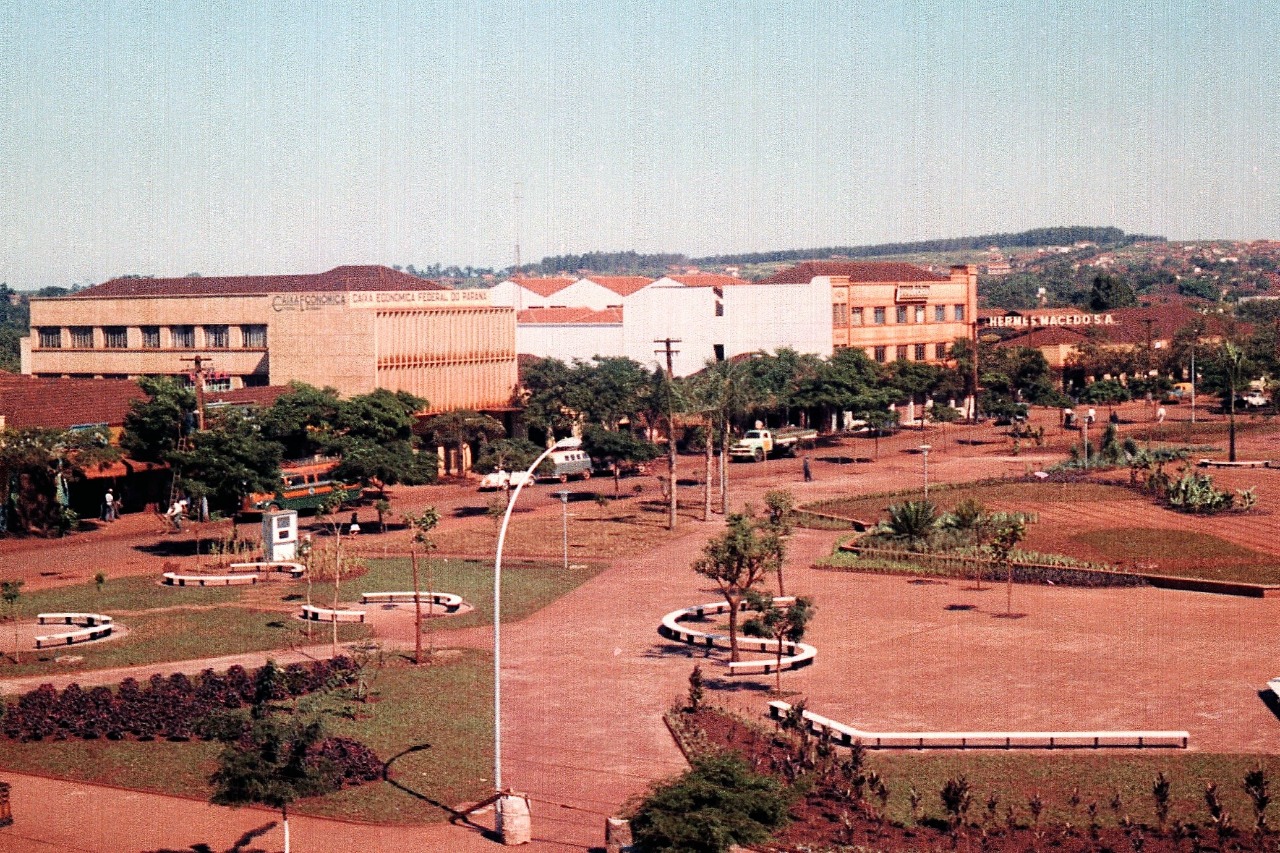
{"x":587,"y":679}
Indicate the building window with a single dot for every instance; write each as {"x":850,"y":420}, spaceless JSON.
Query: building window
{"x":719,"y":308}
{"x":184,"y":337}
{"x":939,"y":313}
{"x":880,"y":351}
{"x":920,"y":356}
{"x":855,"y":316}
{"x":940,"y":351}
{"x":878,"y":317}
{"x":218,"y":383}
{"x":959,"y":315}
{"x":718,"y":349}
{"x":82,"y":337}
{"x":840,"y":314}
{"x":217,"y":337}
{"x":115,"y":337}
{"x":151,"y":337}
{"x":50,"y":337}
{"x":900,"y":314}
{"x":901,"y":354}
{"x":254,"y":337}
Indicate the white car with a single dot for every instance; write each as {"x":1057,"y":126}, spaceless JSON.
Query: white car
{"x":503,"y":480}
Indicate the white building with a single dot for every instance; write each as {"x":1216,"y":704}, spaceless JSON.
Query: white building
{"x":522,"y":293}
{"x":713,"y":317}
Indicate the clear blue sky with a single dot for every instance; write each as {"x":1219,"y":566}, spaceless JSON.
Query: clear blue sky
{"x":243,"y":137}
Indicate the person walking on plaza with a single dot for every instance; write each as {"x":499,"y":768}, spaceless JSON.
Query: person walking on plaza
{"x":109,"y":506}
{"x":808,"y":474}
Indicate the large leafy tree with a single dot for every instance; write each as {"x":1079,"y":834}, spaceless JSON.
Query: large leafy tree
{"x":302,"y":420}
{"x":545,"y":386}
{"x":1109,"y":292}
{"x":35,"y":467}
{"x":613,"y":448}
{"x":608,"y":389}
{"x":374,"y":437}
{"x":154,"y":427}
{"x":228,"y":461}
{"x":737,"y":561}
{"x":452,"y":430}
{"x":849,"y":381}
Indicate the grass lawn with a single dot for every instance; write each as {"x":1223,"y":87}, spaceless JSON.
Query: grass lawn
{"x":437,"y":719}
{"x":872,"y":508}
{"x":1014,"y":776}
{"x":1183,"y":552}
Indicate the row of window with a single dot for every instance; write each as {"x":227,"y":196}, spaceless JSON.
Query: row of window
{"x":843,"y":315}
{"x":918,"y":352}
{"x":253,"y":336}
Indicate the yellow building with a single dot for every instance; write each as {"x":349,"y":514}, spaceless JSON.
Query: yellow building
{"x":894,"y":311}
{"x":355,"y":328}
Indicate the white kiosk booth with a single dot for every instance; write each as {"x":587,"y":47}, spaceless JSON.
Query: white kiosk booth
{"x":280,"y":535}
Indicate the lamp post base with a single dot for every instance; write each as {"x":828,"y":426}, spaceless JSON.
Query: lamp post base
{"x":512,"y":819}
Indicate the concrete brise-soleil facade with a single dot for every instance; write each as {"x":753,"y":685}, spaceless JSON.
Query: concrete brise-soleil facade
{"x":889,"y":310}
{"x":355,"y":328}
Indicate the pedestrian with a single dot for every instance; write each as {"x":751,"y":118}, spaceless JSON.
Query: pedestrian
{"x":808,"y":474}
{"x":1160,"y":414}
{"x":1068,"y":418}
{"x":355,"y":525}
{"x":1091,"y":415}
{"x":109,"y":506}
{"x":176,"y":510}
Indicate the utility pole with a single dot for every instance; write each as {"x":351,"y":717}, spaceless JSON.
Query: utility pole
{"x":1150,"y":357}
{"x":198,"y":363}
{"x":671,"y":426}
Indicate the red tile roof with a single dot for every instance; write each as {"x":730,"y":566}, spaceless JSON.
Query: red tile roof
{"x":708,"y":279}
{"x":1047,"y":336}
{"x":623,"y":285}
{"x":336,"y":279}
{"x":544,"y":286}
{"x":27,"y":401}
{"x":531,"y":316}
{"x":856,"y":271}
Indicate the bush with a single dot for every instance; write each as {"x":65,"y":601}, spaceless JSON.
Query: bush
{"x":717,"y":804}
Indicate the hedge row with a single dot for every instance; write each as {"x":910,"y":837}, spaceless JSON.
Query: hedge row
{"x":173,"y":708}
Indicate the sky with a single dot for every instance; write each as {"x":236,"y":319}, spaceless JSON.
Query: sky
{"x":232,"y":138}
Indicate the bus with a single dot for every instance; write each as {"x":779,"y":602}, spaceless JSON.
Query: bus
{"x":304,"y":485}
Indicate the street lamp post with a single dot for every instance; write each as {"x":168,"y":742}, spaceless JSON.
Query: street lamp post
{"x":563,"y":495}
{"x":500,"y":795}
{"x":924,"y":451}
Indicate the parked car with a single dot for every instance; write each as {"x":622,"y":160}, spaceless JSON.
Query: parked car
{"x":502,"y":480}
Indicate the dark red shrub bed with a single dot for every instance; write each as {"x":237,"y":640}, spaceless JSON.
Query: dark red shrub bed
{"x":173,"y":708}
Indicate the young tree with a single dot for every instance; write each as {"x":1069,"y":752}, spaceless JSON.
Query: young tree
{"x":272,"y":764}
{"x":780,"y":505}
{"x":1009,"y":531}
{"x":737,"y":561}
{"x":782,"y":623}
{"x":1235,"y":369}
{"x":422,"y":524}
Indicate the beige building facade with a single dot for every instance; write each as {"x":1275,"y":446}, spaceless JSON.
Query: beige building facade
{"x":355,"y":329}
{"x":894,"y":311}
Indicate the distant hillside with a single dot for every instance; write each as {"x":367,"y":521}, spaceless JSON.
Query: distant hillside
{"x":1060,"y":236}
{"x":635,"y":263}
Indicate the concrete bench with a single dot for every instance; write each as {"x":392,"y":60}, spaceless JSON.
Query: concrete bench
{"x":87,"y":620}
{"x":95,"y":626}
{"x":173,"y":579}
{"x":322,"y":614}
{"x":293,"y":570}
{"x":794,"y":655}
{"x":844,"y":735}
{"x":446,"y":600}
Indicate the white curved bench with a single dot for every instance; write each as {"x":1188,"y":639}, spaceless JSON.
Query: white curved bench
{"x":447,"y":600}
{"x":794,"y":655}
{"x":845,"y":735}
{"x":95,"y":626}
{"x":323,"y":614}
{"x":175,"y":579}
{"x":293,"y":570}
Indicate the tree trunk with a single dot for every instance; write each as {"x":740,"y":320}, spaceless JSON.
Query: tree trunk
{"x":417,"y":609}
{"x":431,"y":637}
{"x":671,"y":462}
{"x":284,"y":814}
{"x":706,"y":475}
{"x":337,"y":580}
{"x":724,"y":470}
{"x":1231,"y":428}
{"x":734,"y":601}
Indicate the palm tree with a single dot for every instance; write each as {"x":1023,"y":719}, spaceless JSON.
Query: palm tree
{"x":1235,"y":369}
